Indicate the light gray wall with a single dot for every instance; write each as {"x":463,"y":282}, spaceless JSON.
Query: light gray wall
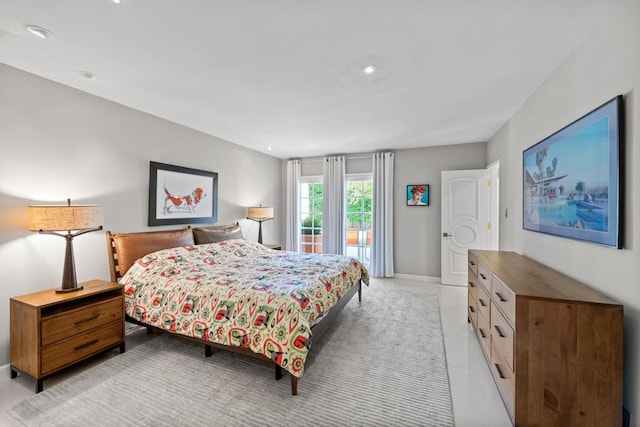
{"x":57,"y":142}
{"x":417,"y":229}
{"x":607,"y":64}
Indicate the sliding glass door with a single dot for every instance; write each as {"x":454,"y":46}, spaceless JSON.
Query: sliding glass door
{"x":358,"y":226}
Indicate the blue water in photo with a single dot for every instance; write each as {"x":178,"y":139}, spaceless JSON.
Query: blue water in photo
{"x":580,"y":214}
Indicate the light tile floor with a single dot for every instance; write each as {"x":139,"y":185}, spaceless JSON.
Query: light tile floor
{"x":476,"y":402}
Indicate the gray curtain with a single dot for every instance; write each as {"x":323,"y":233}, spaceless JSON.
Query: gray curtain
{"x":292,"y":231}
{"x":333,"y":205}
{"x":382,"y":221}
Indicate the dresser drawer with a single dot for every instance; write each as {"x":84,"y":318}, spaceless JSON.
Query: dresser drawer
{"x":505,"y":380}
{"x":473,"y":285}
{"x":472,"y":309}
{"x":504,"y":299}
{"x":484,"y":276}
{"x":484,"y":334}
{"x":67,"y":324}
{"x":483,"y":302}
{"x":73,"y":349}
{"x":473,"y":264}
{"x":502,"y":335}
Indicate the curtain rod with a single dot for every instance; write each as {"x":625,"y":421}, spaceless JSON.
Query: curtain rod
{"x":313,"y":160}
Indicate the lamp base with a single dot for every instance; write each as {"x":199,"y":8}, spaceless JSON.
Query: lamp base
{"x":65,"y":290}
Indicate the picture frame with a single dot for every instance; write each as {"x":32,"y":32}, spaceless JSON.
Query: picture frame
{"x":418,"y":195}
{"x":181,"y":195}
{"x":572,"y":182}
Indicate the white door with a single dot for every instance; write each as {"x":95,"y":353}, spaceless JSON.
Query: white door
{"x":466,"y":213}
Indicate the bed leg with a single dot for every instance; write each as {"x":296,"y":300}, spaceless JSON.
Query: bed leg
{"x":294,"y":385}
{"x":359,"y":291}
{"x":278,"y":372}
{"x":208,"y":350}
{"x":149,"y":331}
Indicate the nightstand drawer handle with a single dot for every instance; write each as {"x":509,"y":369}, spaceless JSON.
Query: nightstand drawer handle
{"x":85,"y":345}
{"x":472,"y":285}
{"x":482,"y":333}
{"x":482,"y":303}
{"x":472,"y":309}
{"x":472,"y":263}
{"x":483,"y":276}
{"x":89,"y":319}
{"x":500,"y":334}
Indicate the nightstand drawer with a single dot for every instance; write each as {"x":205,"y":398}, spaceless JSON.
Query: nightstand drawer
{"x":71,"y":350}
{"x":67,"y":324}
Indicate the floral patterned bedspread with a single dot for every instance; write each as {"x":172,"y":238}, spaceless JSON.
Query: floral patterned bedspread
{"x":240,"y":293}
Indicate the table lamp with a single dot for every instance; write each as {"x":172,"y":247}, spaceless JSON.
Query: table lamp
{"x":260,"y":215}
{"x":52,"y":219}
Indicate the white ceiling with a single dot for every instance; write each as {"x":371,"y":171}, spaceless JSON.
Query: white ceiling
{"x":288,"y":73}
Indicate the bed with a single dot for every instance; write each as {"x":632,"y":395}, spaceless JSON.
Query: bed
{"x":233,"y":294}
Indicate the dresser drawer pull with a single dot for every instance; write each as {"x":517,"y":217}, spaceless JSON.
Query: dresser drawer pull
{"x":499,"y":371}
{"x":471,"y":309}
{"x":501,"y":297}
{"x":482,"y":303}
{"x":500,"y":334}
{"x":483,"y":276}
{"x":88,"y":319}
{"x":472,"y":263}
{"x":482,"y":334}
{"x":85,"y":345}
{"x":472,"y":285}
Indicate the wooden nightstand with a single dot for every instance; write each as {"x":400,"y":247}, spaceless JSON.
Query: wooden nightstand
{"x":51,"y":331}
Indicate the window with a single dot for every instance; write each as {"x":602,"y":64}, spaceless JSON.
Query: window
{"x":311,"y":214}
{"x":358,"y":210}
{"x":359,"y":195}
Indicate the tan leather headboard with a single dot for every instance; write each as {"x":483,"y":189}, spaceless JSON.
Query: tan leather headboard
{"x":125,"y":248}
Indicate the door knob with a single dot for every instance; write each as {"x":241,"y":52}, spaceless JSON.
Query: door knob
{"x":445,"y":234}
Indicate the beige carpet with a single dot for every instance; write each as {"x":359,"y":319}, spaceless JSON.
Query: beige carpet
{"x":382,"y":364}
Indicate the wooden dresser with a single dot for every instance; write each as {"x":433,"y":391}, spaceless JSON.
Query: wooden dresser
{"x":554,"y":345}
{"x":51,"y":331}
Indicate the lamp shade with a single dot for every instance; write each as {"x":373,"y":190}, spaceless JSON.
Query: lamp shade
{"x":260,"y":213}
{"x":61,"y":217}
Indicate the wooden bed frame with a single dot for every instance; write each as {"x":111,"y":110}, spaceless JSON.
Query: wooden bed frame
{"x":125,"y":248}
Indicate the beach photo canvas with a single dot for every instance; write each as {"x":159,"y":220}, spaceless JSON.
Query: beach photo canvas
{"x":572,"y":179}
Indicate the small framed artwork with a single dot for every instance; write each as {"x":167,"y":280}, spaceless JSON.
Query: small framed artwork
{"x":179,"y":195}
{"x":418,"y":195}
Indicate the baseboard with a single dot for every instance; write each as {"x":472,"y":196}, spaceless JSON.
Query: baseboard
{"x":428,"y":279}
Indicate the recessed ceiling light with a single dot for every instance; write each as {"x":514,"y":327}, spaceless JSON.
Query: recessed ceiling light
{"x":269,"y":148}
{"x":370,"y":69}
{"x":117,"y":1}
{"x":43,"y":33}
